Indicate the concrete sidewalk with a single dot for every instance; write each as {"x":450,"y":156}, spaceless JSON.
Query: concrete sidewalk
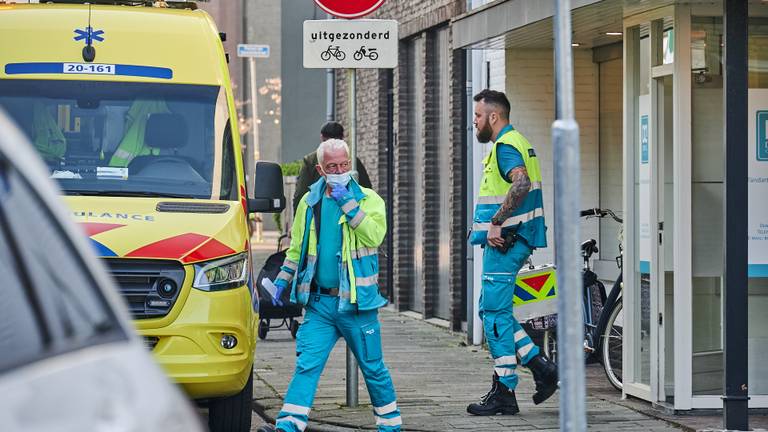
{"x":435,"y":375}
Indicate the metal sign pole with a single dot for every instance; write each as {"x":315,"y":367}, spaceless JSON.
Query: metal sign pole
{"x":352,"y":399}
{"x":252,"y":154}
{"x":565,"y":138}
{"x":330,"y":90}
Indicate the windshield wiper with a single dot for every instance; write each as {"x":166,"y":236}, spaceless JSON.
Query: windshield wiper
{"x":83,"y":192}
{"x":148,"y":194}
{"x":117,"y":193}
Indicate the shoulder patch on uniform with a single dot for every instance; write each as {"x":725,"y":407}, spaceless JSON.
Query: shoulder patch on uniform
{"x":531,"y":153}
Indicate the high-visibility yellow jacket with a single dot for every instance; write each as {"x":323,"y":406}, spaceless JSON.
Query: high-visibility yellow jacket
{"x":132,"y":144}
{"x":49,"y":140}
{"x":493,"y":190}
{"x":364,"y":225}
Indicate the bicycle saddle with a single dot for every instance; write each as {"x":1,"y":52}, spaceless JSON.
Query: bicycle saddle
{"x":589,"y":247}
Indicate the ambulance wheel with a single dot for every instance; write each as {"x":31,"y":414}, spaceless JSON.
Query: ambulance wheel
{"x":263,"y":329}
{"x":294,"y":328}
{"x":233,"y":413}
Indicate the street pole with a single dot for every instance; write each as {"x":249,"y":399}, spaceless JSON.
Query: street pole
{"x":252,"y":154}
{"x":735,"y":215}
{"x":565,"y":139}
{"x":330,"y":87}
{"x":352,"y":399}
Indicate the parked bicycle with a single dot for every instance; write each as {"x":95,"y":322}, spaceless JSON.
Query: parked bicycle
{"x":333,"y":51}
{"x":603,"y":314}
{"x":370,"y":53}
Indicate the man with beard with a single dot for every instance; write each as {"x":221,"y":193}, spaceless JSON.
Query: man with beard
{"x":509,"y":225}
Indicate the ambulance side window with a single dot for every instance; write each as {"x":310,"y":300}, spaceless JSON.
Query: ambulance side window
{"x":228,"y":183}
{"x":73,"y":306}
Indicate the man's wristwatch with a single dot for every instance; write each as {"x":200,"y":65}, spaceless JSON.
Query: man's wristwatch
{"x":496,"y":221}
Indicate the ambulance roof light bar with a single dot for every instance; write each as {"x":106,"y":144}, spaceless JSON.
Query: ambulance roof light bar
{"x":173,"y":4}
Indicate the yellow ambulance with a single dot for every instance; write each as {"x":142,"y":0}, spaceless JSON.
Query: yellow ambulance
{"x":130,"y":105}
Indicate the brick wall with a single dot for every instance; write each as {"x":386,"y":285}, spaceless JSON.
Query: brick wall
{"x":417,"y":18}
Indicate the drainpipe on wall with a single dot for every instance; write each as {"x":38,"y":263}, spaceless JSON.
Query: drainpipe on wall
{"x":475,"y":61}
{"x":474,"y":327}
{"x":390,"y":184}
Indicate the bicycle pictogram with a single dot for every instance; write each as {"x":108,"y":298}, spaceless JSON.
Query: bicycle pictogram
{"x":369,"y":53}
{"x":333,"y":51}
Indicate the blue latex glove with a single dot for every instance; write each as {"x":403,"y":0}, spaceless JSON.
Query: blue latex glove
{"x":281,"y":285}
{"x":341,"y":194}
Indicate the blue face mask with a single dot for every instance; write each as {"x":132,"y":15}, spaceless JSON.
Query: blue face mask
{"x":339,"y":179}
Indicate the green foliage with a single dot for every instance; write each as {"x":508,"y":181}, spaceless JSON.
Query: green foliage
{"x":291,"y":168}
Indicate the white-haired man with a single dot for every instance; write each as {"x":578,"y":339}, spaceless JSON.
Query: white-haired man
{"x":332,"y":268}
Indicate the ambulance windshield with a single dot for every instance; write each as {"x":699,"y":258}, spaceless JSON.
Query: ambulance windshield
{"x":128,"y":139}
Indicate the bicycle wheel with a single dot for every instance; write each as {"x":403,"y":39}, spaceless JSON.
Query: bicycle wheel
{"x":612,"y":345}
{"x":325,"y":56}
{"x":549,"y":344}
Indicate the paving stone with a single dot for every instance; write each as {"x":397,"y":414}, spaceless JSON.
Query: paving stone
{"x":436,"y":375}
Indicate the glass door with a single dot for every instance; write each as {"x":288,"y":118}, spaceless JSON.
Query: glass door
{"x":649,"y":49}
{"x":639,"y":196}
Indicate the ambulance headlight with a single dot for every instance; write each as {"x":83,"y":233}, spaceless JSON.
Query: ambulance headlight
{"x":221,"y":274}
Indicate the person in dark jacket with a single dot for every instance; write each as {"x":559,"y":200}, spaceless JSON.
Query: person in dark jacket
{"x":308,"y":173}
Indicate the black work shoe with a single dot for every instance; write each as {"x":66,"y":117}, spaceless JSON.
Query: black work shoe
{"x":266,"y":428}
{"x":545,"y":376}
{"x":499,"y":400}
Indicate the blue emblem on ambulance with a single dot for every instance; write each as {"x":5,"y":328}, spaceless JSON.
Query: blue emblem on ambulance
{"x":88,"y":35}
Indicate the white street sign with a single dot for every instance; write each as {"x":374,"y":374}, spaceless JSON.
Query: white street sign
{"x":252,"y":50}
{"x":352,"y":44}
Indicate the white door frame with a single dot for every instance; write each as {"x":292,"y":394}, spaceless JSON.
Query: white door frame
{"x":654,"y":391}
{"x":683,"y":239}
{"x":658,"y":194}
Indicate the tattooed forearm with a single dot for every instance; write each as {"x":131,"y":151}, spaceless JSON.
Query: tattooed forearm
{"x":521,"y":184}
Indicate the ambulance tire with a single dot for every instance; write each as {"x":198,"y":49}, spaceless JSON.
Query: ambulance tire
{"x":233,"y":413}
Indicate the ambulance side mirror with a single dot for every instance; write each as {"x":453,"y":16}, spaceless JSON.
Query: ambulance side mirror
{"x":268,"y":195}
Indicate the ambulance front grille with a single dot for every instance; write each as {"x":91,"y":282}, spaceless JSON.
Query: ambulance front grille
{"x":141,"y":284}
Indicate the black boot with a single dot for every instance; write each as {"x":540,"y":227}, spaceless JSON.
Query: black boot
{"x":499,"y":400}
{"x":266,"y":428}
{"x":545,"y":376}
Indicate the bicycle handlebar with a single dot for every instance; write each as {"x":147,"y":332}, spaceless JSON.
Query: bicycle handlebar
{"x":601,"y":213}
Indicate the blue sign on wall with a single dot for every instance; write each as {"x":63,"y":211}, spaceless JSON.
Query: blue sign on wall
{"x":644,"y":139}
{"x":762,"y":139}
